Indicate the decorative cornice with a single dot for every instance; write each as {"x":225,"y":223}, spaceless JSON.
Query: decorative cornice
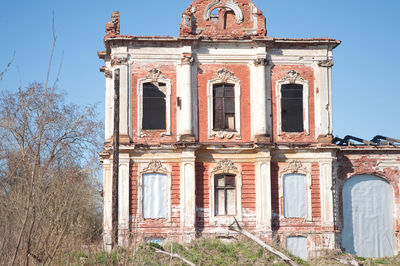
{"x":155,"y":166}
{"x":326,"y":63}
{"x":122,"y":60}
{"x":155,"y":74}
{"x":225,"y":166}
{"x":294,"y":167}
{"x":260,"y":62}
{"x":292,"y":76}
{"x":224,"y":75}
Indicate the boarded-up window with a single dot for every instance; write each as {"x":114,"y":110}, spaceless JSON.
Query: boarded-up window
{"x":225,"y":195}
{"x":297,"y":245}
{"x":294,"y":195}
{"x":224,"y":107}
{"x":154,"y":196}
{"x":154,"y":106}
{"x":292,"y":108}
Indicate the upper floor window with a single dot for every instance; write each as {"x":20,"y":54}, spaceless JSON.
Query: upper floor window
{"x":292,"y":108}
{"x":292,"y":102}
{"x":224,"y":107}
{"x":154,"y":106}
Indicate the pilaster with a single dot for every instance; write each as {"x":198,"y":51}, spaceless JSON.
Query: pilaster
{"x":326,"y":187}
{"x":188,"y":195}
{"x":123,"y":200}
{"x":107,"y":201}
{"x":263,"y":191}
{"x":124,"y":92}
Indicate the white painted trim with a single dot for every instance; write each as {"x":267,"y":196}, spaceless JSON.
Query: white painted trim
{"x":107,"y":205}
{"x":161,"y":79}
{"x":144,"y":168}
{"x":263,"y":191}
{"x":235,"y":170}
{"x":123,"y":200}
{"x":326,"y":182}
{"x":188,"y":190}
{"x":304,"y":170}
{"x":224,"y":134}
{"x":293,"y":77}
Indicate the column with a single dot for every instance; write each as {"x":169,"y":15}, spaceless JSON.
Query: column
{"x":326,"y":178}
{"x":124,"y":100}
{"x":186,"y":117}
{"x":107,"y":210}
{"x":263,"y":191}
{"x":123,"y":200}
{"x":188,"y":195}
{"x":323,"y":104}
{"x":260,"y":102}
{"x":108,"y":123}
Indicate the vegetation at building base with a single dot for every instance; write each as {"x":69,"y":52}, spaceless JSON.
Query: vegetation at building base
{"x":206,"y":251}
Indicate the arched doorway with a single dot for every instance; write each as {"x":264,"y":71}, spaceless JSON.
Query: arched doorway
{"x":368,"y":226}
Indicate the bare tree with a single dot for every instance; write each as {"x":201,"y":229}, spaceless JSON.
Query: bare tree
{"x":7,"y":67}
{"x":48,"y":193}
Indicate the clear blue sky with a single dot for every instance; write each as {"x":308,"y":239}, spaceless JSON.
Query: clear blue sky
{"x":366,"y":91}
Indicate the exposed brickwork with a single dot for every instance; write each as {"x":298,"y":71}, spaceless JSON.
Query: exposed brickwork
{"x":153,"y":137}
{"x":315,"y":192}
{"x":194,"y":23}
{"x":307,"y":73}
{"x":208,"y":72}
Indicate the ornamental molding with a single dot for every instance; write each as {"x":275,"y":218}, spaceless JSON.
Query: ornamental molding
{"x":119,"y":61}
{"x":295,"y":167}
{"x":224,"y":75}
{"x":223,"y":134}
{"x":155,"y":166}
{"x":108,"y":74}
{"x":225,"y":166}
{"x":293,"y":76}
{"x":260,"y":62}
{"x":187,"y":60}
{"x":326,"y":63}
{"x":154,"y":75}
{"x":392,"y":164}
{"x":230,"y":4}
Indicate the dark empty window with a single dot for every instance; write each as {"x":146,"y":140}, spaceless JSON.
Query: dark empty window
{"x":225,"y":195}
{"x":292,"y":108}
{"x":154,"y":106}
{"x":224,"y":107}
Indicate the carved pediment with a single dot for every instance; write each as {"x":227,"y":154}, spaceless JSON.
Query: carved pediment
{"x":293,"y":76}
{"x":295,"y":167}
{"x":154,"y":75}
{"x":155,"y":166}
{"x":225,"y":166}
{"x":224,"y":75}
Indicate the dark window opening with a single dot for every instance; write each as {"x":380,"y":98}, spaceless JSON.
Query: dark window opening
{"x":292,"y":108}
{"x":225,"y":195}
{"x":154,"y":106}
{"x":224,"y":107}
{"x":229,"y":19}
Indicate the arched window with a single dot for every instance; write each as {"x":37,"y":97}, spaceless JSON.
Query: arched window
{"x":292,"y":108}
{"x":154,"y":106}
{"x":224,"y":107}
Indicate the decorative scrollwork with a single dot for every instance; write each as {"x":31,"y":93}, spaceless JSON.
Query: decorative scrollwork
{"x":155,"y":74}
{"x":292,"y":76}
{"x":225,"y":166}
{"x":294,"y":167}
{"x":155,"y":166}
{"x":326,"y":63}
{"x":224,"y":75}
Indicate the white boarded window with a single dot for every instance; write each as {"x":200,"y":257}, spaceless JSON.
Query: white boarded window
{"x":297,"y":245}
{"x":154,"y":196}
{"x":294,"y":194}
{"x":225,"y":195}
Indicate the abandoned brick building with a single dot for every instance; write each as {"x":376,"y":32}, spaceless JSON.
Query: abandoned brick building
{"x":225,"y":121}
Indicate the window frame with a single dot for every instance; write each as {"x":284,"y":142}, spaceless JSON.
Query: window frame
{"x":296,"y":167}
{"x":224,"y":76}
{"x":153,"y":167}
{"x":292,"y":77}
{"x":154,"y":76}
{"x":225,"y":167}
